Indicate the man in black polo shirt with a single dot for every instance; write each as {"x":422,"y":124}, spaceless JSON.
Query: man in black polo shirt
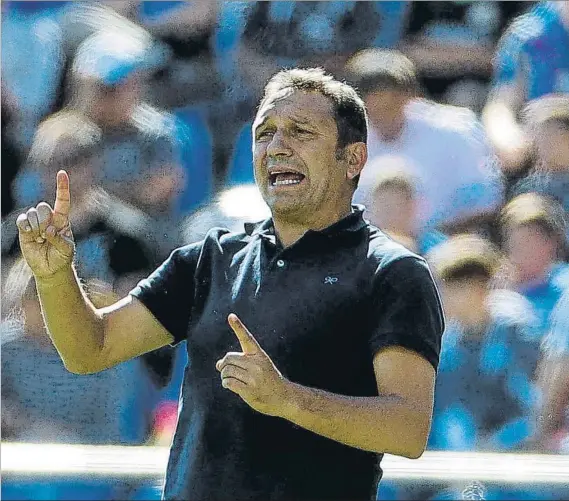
{"x":312,"y":338}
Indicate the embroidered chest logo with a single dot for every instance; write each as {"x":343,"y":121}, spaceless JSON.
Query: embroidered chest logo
{"x":330,"y":280}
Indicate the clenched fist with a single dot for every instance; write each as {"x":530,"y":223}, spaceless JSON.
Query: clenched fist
{"x":45,"y":234}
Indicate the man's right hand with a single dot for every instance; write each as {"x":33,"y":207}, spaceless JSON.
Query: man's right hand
{"x":46,"y":240}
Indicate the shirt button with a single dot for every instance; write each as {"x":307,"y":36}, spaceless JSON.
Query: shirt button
{"x":280,"y":263}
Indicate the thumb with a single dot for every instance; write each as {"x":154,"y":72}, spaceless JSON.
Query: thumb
{"x":248,"y":343}
{"x":62,"y":241}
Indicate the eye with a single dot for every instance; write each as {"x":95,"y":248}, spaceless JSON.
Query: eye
{"x":264,"y":134}
{"x":302,"y":130}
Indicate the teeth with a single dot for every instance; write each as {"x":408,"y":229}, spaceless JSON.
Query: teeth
{"x":286,"y":181}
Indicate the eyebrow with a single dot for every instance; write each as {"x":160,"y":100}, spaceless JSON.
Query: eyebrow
{"x":295,"y":119}
{"x":301,"y":120}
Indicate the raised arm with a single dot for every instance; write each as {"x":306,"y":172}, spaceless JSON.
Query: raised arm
{"x":505,"y":100}
{"x":87,"y":339}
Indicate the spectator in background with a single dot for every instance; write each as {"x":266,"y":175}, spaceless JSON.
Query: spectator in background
{"x":533,"y":229}
{"x":111,"y":237}
{"x":485,"y":394}
{"x":139,"y":153}
{"x":189,"y":86}
{"x":547,"y":119}
{"x":31,"y":32}
{"x":11,"y":157}
{"x":42,"y":401}
{"x":453,"y":44}
{"x":532,"y":60}
{"x":443,"y":147}
{"x":187,"y":29}
{"x":394,"y":204}
{"x":553,"y":425}
{"x":324,"y":33}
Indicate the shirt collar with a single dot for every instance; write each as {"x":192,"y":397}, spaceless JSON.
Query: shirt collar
{"x":352,"y":223}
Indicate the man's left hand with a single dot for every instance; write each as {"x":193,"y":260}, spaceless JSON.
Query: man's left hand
{"x":252,"y":374}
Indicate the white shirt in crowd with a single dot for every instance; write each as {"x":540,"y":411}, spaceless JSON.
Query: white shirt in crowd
{"x":446,"y":150}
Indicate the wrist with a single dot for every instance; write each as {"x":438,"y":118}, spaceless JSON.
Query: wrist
{"x":290,"y":403}
{"x":60,"y":277}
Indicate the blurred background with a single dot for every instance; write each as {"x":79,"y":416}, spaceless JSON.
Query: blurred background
{"x":148,"y":106}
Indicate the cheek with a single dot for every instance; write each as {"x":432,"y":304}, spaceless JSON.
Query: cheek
{"x":562,"y":147}
{"x":392,"y":206}
{"x":258,"y":156}
{"x":529,"y":253}
{"x":546,"y":147}
{"x":553,"y":145}
{"x":451,"y":300}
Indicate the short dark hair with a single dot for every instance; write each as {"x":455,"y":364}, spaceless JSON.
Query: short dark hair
{"x":465,"y":257}
{"x":349,"y":109}
{"x":377,"y":69}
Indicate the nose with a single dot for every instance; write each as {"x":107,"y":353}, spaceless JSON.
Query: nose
{"x":278,"y":146}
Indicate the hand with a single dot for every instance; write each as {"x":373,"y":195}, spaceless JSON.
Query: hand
{"x":252,"y":374}
{"x":45,"y":234}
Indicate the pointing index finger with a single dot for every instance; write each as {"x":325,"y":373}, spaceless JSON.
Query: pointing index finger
{"x":248,"y":343}
{"x":62,"y":195}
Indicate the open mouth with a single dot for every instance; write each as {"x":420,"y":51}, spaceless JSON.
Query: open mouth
{"x":285,"y":178}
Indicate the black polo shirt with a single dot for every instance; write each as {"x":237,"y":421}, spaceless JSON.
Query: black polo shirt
{"x":321,"y":309}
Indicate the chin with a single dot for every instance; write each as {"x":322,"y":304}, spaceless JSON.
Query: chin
{"x":287,"y":209}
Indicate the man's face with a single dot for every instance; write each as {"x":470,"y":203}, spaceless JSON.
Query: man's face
{"x":457,"y":297}
{"x":386,"y":109}
{"x":393,"y":209}
{"x":295,"y":155}
{"x":114,"y":105}
{"x":530,"y":251}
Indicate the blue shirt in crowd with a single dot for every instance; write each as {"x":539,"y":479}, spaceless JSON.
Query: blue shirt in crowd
{"x":534,"y":51}
{"x":484,"y":392}
{"x":557,"y":341}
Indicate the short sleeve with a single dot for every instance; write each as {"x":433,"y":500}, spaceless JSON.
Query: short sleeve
{"x":168,"y":292}
{"x":507,"y":61}
{"x":408,"y":310}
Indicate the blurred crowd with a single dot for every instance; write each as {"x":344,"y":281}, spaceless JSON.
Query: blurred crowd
{"x":148,"y":105}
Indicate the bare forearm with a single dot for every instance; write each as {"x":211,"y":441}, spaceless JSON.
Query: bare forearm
{"x":73,"y":323}
{"x":556,"y":398}
{"x":380,"y":424}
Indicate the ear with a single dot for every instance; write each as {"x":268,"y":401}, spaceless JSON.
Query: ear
{"x":356,"y":157}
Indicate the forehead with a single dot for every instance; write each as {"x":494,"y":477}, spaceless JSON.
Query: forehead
{"x":523,"y":231}
{"x":300,"y":106}
{"x":559,"y":126}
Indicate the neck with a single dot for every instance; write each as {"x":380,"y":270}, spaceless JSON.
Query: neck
{"x":390,"y":131}
{"x":477,"y":317}
{"x":289,"y":230}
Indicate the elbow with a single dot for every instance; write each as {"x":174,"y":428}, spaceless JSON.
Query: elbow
{"x":80,"y":369}
{"x":412,"y":449}
{"x":415,"y":451}
{"x":76,"y":369}
{"x":413,"y":443}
